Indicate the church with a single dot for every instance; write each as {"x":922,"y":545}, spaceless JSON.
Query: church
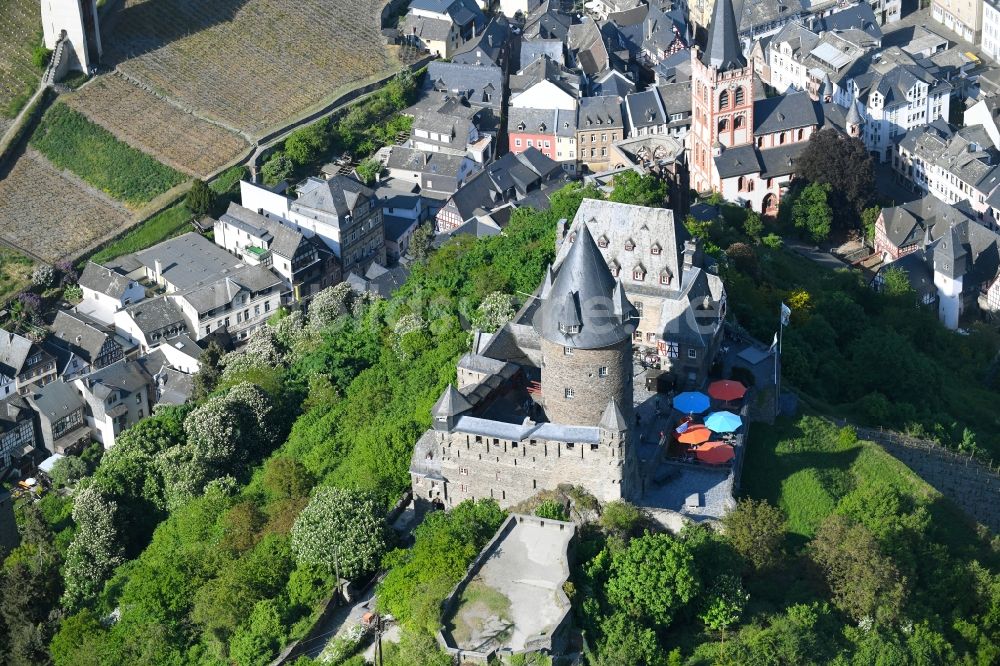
{"x":742,"y":145}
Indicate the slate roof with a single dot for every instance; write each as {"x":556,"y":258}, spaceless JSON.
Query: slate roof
{"x":103,"y":280}
{"x":784,"y":112}
{"x":216,"y":293}
{"x":281,"y":240}
{"x":967,"y":152}
{"x":584,"y":307}
{"x":56,"y":400}
{"x":858,"y":17}
{"x":600,"y":112}
{"x":124,"y":375}
{"x":644,"y":109}
{"x":339,"y":196}
{"x":487,"y":46}
{"x":780,"y":160}
{"x":925,"y":219}
{"x":723,"y":49}
{"x":426,"y":28}
{"x":531,"y":121}
{"x":83,"y":338}
{"x":545,"y":69}
{"x":187,"y":259}
{"x":756,"y":14}
{"x":14,"y":351}
{"x":533,"y":49}
{"x":156,"y":313}
{"x":738,"y":161}
{"x":547,"y":22}
{"x":676,"y":98}
{"x":611,"y":83}
{"x":473,"y":81}
{"x":450,"y":403}
{"x":422,"y":161}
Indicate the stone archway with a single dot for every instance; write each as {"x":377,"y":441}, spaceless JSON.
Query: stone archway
{"x":769,"y":206}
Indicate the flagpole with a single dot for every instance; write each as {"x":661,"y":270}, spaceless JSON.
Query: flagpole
{"x":777,"y":369}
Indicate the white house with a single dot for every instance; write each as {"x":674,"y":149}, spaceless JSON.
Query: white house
{"x":106,"y":291}
{"x":116,"y":397}
{"x":511,"y":8}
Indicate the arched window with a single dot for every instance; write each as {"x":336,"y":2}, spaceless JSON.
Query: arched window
{"x":724,"y":124}
{"x":724,"y":100}
{"x":740,"y":97}
{"x":781,"y":139}
{"x":739,"y":122}
{"x":801,"y":134}
{"x":741,"y":183}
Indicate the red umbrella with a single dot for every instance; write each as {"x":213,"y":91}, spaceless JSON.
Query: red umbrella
{"x":715,"y":453}
{"x":695,"y":435}
{"x":727,"y":389}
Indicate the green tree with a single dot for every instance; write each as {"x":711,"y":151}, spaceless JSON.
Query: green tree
{"x":287,"y":478}
{"x":626,"y":641}
{"x":200,"y":198}
{"x":495,"y":311}
{"x":724,"y":604}
{"x":420,"y":242}
{"x":865,"y":583}
{"x":811,"y":212}
{"x":340,"y":530}
{"x":869,"y":216}
{"x":844,"y":164}
{"x":552,"y":510}
{"x":753,"y":225}
{"x":622,"y":519}
{"x":67,"y":471}
{"x":78,"y":640}
{"x":896,"y":283}
{"x":277,"y":168}
{"x":653,"y":578}
{"x":96,"y":549}
{"x":256,"y":642}
{"x":305,"y":145}
{"x":369,"y":170}
{"x":757,"y":532}
{"x":641,"y":190}
{"x":210,"y":371}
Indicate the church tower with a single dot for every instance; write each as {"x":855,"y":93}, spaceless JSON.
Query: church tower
{"x":585,"y":323}
{"x":721,"y":97}
{"x":78,"y":20}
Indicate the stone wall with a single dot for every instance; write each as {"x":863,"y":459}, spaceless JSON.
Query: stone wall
{"x":510,"y":472}
{"x":580,"y":372}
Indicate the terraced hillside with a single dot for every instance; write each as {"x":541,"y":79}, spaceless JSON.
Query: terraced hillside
{"x":20,"y":31}
{"x":250,"y":64}
{"x":148,"y":123}
{"x":52,"y":213}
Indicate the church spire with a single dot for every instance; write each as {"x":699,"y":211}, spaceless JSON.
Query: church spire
{"x":723,"y":50}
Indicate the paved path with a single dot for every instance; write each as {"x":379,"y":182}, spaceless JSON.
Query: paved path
{"x":822,"y":258}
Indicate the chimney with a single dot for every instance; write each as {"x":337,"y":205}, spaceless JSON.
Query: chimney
{"x":561,"y":230}
{"x":158,"y":267}
{"x":692,"y":253}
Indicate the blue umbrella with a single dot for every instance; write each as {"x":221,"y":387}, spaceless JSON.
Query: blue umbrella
{"x":723,"y":422}
{"x":691,"y":402}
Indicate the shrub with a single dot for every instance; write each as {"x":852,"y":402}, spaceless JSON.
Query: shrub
{"x":200,"y":198}
{"x":552,"y":510}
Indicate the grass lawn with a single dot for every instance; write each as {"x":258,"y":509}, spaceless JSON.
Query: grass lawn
{"x":228,"y":182}
{"x":15,"y":272}
{"x":171,"y":222}
{"x":70,"y":141}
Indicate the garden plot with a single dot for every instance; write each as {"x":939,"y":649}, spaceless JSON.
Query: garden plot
{"x":142,"y":120}
{"x":20,"y":29}
{"x":53,"y":214}
{"x":250,"y":64}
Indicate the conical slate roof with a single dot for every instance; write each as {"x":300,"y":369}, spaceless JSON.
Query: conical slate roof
{"x":723,"y":50}
{"x":612,"y":420}
{"x":853,"y":116}
{"x":950,"y":257}
{"x":450,"y":403}
{"x":584,"y":307}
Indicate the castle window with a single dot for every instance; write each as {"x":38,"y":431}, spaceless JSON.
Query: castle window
{"x":651,"y":337}
{"x":513,"y":445}
{"x":567,"y":351}
{"x":740,"y":97}
{"x":594,"y":447}
{"x":739,"y":121}
{"x":639,"y":273}
{"x":637,"y":336}
{"x":724,"y":100}
{"x":568,"y":393}
{"x":570,"y":446}
{"x":464,"y":471}
{"x":602,"y":371}
{"x":655,"y":249}
{"x":724,"y":125}
{"x":479,"y":439}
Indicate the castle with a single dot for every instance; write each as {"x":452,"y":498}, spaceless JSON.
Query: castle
{"x":546,"y":400}
{"x":549,"y":398}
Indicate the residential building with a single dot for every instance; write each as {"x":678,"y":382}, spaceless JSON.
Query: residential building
{"x":680,"y":301}
{"x":514,"y":178}
{"x":986,"y":114}
{"x":512,"y":8}
{"x":441,"y":26}
{"x":611,"y":83}
{"x":741,"y":147}
{"x":549,"y":400}
{"x":402,"y":211}
{"x":599,"y":125}
{"x":305,"y":264}
{"x":545,"y":84}
{"x":800,"y":59}
{"x":895,"y":94}
{"x":963,"y":17}
{"x":82,"y":344}
{"x":481,"y":86}
{"x":341,"y":211}
{"x":24,"y":364}
{"x":532,"y":128}
{"x":533,"y":49}
{"x":547,"y":21}
{"x":955,"y":165}
{"x":17,"y":431}
{"x":450,"y":123}
{"x":676,"y":101}
{"x":491,"y":46}
{"x":153,"y":322}
{"x":913,"y":226}
{"x":116,"y":397}
{"x":645,"y":114}
{"x":61,"y":423}
{"x":106,"y":291}
{"x":991,"y":29}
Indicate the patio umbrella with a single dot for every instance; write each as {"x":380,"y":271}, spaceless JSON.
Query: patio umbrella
{"x":723,"y":422}
{"x":696,"y":435}
{"x":726,"y":390}
{"x":715,"y":453}
{"x":691,"y":402}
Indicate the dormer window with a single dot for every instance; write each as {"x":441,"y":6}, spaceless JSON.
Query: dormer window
{"x":520,"y":127}
{"x":602,"y":241}
{"x":655,"y":249}
{"x":665,"y":277}
{"x":629,"y":245}
{"x":614,"y":268}
{"x":569,"y":330}
{"x":639,"y":273}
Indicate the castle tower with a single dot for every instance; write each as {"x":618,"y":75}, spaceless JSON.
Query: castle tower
{"x":950,"y":265}
{"x":585,"y":323}
{"x":721,"y":97}
{"x":853,"y":121}
{"x":78,"y":19}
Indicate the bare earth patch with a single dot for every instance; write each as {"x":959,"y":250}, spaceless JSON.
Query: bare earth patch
{"x":150,"y":124}
{"x":53,"y":214}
